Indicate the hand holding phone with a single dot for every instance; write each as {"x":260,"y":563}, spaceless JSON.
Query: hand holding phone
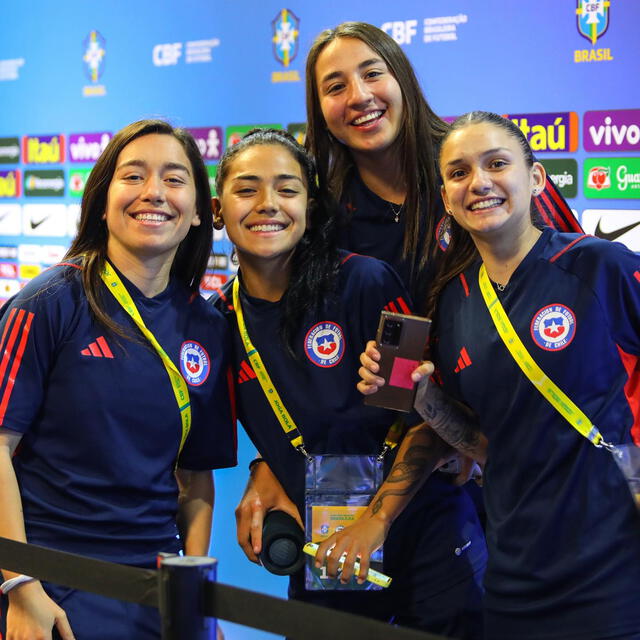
{"x":401,"y":340}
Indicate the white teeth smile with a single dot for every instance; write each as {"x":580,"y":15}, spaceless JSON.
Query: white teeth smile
{"x":374,"y":115}
{"x":486,"y":204}
{"x":266,"y":227}
{"x":151,"y":217}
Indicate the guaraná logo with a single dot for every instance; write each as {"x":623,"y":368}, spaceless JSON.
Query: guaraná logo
{"x":612,"y":178}
{"x":599,"y":178}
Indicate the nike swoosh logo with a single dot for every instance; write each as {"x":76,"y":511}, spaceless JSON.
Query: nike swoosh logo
{"x":35,"y":225}
{"x":616,"y":233}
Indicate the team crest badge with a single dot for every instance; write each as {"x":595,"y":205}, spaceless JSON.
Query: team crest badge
{"x":553,"y":327}
{"x":94,"y":54}
{"x":286,"y":27}
{"x":324,"y":344}
{"x":443,"y":232}
{"x":593,"y":18}
{"x":194,"y":363}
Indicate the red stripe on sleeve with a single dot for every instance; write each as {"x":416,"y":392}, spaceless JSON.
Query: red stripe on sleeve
{"x":542,"y":212}
{"x":563,"y":208}
{"x":8,"y":348}
{"x":15,"y":367}
{"x":102,"y":343}
{"x":636,"y":275}
{"x":232,"y":403}
{"x":631,"y":364}
{"x":6,"y":328}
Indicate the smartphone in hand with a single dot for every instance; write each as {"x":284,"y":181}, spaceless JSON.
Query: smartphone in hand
{"x":401,"y":341}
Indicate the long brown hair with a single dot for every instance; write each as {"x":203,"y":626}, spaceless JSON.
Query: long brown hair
{"x":90,"y":244}
{"x":419,"y":138}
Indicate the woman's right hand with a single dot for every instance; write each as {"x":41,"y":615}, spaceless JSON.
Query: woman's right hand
{"x":264,"y":493}
{"x":32,"y":615}
{"x":370,"y":382}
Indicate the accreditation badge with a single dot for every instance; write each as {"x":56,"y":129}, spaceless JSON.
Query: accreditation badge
{"x":338,"y":490}
{"x":627,"y":456}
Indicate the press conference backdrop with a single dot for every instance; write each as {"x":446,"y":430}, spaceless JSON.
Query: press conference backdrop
{"x":74,"y":72}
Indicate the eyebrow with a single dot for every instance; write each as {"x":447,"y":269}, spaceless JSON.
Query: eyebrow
{"x":280,"y":176}
{"x":488,"y":152}
{"x":171,"y":166}
{"x":336,"y":74}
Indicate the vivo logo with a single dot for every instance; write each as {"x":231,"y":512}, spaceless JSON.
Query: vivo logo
{"x":612,"y":130}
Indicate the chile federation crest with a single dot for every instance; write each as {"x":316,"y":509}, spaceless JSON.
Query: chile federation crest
{"x":324,"y":344}
{"x":553,"y":327}
{"x":194,"y":363}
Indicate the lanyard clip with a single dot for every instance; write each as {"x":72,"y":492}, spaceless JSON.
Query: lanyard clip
{"x":303,"y":451}
{"x":383,"y":453}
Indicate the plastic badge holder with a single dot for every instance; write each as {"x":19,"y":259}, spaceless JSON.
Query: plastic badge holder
{"x":628,"y":458}
{"x":338,"y":490}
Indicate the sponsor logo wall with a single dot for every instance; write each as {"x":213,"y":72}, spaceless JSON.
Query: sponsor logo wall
{"x":591,"y":154}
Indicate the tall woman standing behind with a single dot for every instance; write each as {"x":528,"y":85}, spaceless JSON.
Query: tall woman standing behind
{"x":118,"y":434}
{"x":376,"y":142}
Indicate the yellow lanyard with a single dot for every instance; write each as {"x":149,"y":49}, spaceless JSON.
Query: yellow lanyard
{"x":178,"y":384}
{"x":273,"y":398}
{"x":561,"y":402}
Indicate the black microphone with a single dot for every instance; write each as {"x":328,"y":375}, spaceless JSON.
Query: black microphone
{"x":282,"y":542}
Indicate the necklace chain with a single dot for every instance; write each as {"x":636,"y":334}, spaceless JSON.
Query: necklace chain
{"x":396,"y":212}
{"x":500,"y":287}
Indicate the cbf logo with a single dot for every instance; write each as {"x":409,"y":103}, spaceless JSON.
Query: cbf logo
{"x":194,"y":363}
{"x":553,"y":327}
{"x":285,"y":36}
{"x":324,"y":344}
{"x":93,"y":58}
{"x":593,"y":18}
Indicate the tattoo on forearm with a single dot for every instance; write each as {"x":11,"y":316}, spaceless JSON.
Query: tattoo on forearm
{"x":451,"y":424}
{"x":410,"y":471}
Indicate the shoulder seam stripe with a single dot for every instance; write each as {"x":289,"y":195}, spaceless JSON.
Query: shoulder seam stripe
{"x":575,"y":241}
{"x":465,"y":285}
